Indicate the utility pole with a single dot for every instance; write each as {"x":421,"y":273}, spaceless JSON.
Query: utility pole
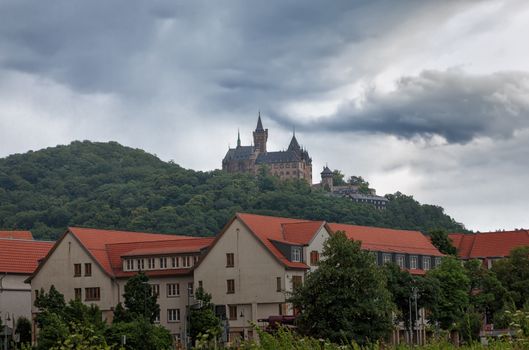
{"x":416,"y":314}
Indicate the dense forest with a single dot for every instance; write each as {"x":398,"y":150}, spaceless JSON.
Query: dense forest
{"x":107,"y":185}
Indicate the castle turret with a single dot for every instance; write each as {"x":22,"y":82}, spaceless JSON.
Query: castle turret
{"x":326,"y":179}
{"x":260,"y":136}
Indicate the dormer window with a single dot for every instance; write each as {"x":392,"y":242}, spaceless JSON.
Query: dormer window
{"x":130,"y":264}
{"x":296,"y":254}
{"x":150,"y":263}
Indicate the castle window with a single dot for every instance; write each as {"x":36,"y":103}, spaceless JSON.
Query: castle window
{"x":287,"y":165}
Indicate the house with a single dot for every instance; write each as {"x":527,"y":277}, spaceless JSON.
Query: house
{"x":488,"y":246}
{"x":411,"y":250}
{"x":93,"y":265}
{"x":19,"y":256}
{"x":254,"y":261}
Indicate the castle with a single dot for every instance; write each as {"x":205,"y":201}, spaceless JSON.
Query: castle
{"x":294,"y":163}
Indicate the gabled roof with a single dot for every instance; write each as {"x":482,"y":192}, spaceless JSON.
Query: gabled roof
{"x":388,"y":240}
{"x":270,"y":228}
{"x":16,"y":235}
{"x":21,"y":256}
{"x":239,"y":153}
{"x":301,"y":232}
{"x":104,"y":245}
{"x":488,"y":244}
{"x":117,"y":251}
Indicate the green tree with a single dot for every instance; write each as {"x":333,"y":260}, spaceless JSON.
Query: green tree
{"x":513,"y":273}
{"x":453,"y":300}
{"x":139,"y":334}
{"x":202,"y":317}
{"x":23,"y":328}
{"x":441,"y":241}
{"x":346,"y":298}
{"x":338,"y":178}
{"x":139,"y":299}
{"x":363,"y":185}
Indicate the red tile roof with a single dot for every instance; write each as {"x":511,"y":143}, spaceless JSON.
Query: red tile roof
{"x":16,"y":235}
{"x":21,"y":256}
{"x":271,"y":228}
{"x":108,"y":246}
{"x":388,"y":240}
{"x":301,"y":232}
{"x":488,"y":244}
{"x":164,"y":247}
{"x":96,"y":241}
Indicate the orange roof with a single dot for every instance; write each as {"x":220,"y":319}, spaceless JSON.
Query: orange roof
{"x":388,"y":240}
{"x":21,"y":255}
{"x":163,"y":247}
{"x":17,"y":235}
{"x":488,"y":244}
{"x":271,"y":228}
{"x":96,"y":241}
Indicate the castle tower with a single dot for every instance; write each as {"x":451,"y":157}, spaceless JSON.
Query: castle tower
{"x":326,"y":179}
{"x":260,"y":136}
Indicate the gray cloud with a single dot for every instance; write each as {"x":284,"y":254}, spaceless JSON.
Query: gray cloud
{"x":457,"y":106}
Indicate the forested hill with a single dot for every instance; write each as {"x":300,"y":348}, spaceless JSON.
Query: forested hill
{"x":106,"y":185}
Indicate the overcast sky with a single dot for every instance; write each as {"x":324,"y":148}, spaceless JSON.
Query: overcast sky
{"x":430,"y":98}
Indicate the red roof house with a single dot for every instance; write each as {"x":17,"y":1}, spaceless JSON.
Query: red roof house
{"x":488,"y":246}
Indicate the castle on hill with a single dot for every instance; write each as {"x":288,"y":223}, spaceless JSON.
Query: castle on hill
{"x":294,"y":163}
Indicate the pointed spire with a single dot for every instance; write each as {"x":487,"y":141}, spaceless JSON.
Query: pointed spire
{"x":294,"y":145}
{"x":259,"y":123}
{"x":238,"y":138}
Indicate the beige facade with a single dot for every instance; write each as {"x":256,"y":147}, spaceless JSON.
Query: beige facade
{"x":261,"y":282}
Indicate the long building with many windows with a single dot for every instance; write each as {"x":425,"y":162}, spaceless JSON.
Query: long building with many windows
{"x":249,"y":267}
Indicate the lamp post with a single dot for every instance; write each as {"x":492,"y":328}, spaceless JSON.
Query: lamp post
{"x":5,"y":331}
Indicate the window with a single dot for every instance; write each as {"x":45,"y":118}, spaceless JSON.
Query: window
{"x":413,"y":262}
{"x":190,"y":288}
{"x":200,"y":284}
{"x":437,"y":261}
{"x":278,"y":284}
{"x":163,"y":263}
{"x":130,"y":264}
{"x":232,"y":312}
{"x":155,"y":290}
{"x":157,"y":317}
{"x":88,"y":269}
{"x":173,"y":315}
{"x":150,"y":263}
{"x":174,"y":261}
{"x":186,"y":261}
{"x":92,"y":294}
{"x":426,"y":261}
{"x":141,"y":264}
{"x":76,"y":270}
{"x":280,"y":309}
{"x":400,"y":261}
{"x":78,"y":293}
{"x":296,"y":254}
{"x":230,"y":286}
{"x":386,"y":258}
{"x":173,"y":289}
{"x":296,"y":282}
{"x":230,"y":260}
{"x":314,"y":257}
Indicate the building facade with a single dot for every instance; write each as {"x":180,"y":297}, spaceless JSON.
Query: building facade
{"x":94,"y":265}
{"x":294,"y":163}
{"x":19,"y":256}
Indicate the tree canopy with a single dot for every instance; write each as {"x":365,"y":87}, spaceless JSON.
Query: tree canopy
{"x":346,"y":297}
{"x":106,"y":185}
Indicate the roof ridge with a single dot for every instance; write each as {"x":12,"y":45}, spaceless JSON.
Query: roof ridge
{"x":377,"y":227}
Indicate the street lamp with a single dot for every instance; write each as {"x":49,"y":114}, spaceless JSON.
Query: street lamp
{"x":5,"y":331}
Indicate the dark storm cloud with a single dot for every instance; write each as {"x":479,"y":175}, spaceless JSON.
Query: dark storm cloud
{"x":243,"y":51}
{"x":457,"y":106}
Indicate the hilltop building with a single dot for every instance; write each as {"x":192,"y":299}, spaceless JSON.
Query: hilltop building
{"x":294,"y":163}
{"x":351,"y":192}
